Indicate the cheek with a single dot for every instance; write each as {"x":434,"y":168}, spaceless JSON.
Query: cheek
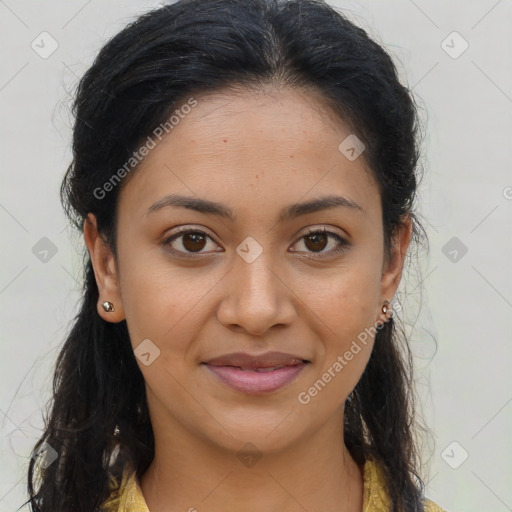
{"x":345,"y":299}
{"x":347,"y":337}
{"x":159,"y":312}
{"x":164,"y":302}
{"x":344,"y":307}
{"x":153,"y":295}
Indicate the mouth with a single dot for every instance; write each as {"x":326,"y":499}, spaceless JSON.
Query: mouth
{"x":270,"y":369}
{"x":257,"y":374}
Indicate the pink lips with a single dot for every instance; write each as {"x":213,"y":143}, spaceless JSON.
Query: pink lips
{"x":256,"y":374}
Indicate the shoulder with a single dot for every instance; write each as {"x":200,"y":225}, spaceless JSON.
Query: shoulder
{"x":126,"y":497}
{"x":430,"y":506}
{"x":375,"y":497}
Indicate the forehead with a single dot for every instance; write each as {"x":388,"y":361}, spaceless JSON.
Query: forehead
{"x":281,"y":119}
{"x":256,"y":148}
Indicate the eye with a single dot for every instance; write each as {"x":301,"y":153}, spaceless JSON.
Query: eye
{"x":192,"y":241}
{"x":189,"y":241}
{"x":318,"y":239}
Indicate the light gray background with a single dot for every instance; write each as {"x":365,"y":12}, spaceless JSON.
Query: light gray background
{"x":467,"y":193}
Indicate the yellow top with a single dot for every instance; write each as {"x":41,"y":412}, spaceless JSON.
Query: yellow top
{"x":375,"y":498}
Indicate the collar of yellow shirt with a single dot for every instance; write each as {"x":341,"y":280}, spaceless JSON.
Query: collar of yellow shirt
{"x":375,"y":497}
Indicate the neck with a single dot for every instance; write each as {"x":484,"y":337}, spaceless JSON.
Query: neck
{"x":193,"y":475}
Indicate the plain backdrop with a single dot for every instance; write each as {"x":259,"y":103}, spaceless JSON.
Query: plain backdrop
{"x":455,"y":56}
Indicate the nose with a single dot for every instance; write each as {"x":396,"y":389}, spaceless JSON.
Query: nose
{"x":256,"y":297}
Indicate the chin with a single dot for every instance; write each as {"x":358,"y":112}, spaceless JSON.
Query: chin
{"x":264,"y":432}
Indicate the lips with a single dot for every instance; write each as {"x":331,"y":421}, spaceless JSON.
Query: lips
{"x":263,"y":362}
{"x":256,"y":374}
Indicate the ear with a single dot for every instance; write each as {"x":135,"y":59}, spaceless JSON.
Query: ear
{"x":394,"y":263}
{"x":105,"y":271}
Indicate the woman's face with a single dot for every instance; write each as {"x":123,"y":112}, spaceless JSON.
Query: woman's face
{"x":253,"y":170}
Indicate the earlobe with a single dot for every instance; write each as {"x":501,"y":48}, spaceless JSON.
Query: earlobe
{"x":109,"y":305}
{"x":386,"y":312}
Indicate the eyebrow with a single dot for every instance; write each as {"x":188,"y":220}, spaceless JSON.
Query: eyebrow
{"x":289,"y":212}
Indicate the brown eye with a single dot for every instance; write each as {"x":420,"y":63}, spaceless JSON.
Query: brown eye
{"x":317,"y":240}
{"x":192,"y":241}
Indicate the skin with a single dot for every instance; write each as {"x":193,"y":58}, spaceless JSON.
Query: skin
{"x":256,"y":153}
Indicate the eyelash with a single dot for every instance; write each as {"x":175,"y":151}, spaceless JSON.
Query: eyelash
{"x":343,"y":244}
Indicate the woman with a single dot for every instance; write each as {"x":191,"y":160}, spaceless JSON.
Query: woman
{"x":244,"y":174}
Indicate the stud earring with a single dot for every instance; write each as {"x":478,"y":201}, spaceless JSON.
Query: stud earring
{"x":385,"y":306}
{"x":108,"y":306}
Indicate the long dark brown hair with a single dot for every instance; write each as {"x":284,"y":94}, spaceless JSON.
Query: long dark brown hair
{"x":137,"y":80}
